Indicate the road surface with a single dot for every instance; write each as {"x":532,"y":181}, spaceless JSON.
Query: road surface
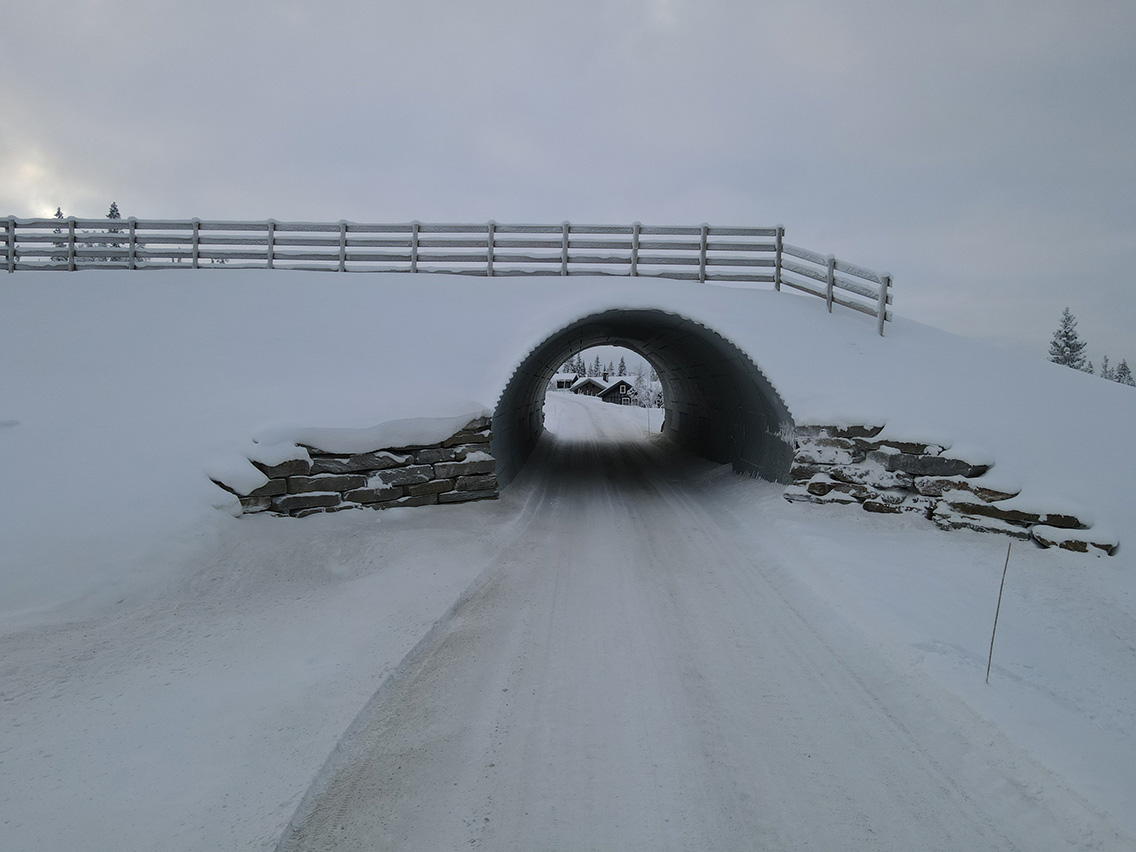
{"x":641,"y":672}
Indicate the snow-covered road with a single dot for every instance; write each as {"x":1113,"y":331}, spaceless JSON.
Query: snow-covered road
{"x":642,"y":671}
{"x":678,"y":643}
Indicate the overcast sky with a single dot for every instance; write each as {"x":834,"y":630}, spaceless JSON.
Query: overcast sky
{"x":982,"y":152}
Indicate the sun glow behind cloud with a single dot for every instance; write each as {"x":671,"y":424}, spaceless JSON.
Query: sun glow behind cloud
{"x":35,"y":185}
{"x":877,"y":131}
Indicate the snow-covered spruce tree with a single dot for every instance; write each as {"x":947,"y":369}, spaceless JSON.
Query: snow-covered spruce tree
{"x":1123,"y":375}
{"x":113,"y":213}
{"x":622,"y":367}
{"x":646,"y":393}
{"x":1106,"y":371}
{"x":60,"y":246}
{"x":1066,"y":347}
{"x":597,"y":367}
{"x":640,"y":392}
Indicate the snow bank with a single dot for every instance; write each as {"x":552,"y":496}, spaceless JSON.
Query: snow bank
{"x":122,"y":390}
{"x":412,"y":431}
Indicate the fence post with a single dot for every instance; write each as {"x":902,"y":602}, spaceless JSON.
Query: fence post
{"x":830,"y":281}
{"x":489,"y":249}
{"x":132,"y":244}
{"x":342,"y":245}
{"x":414,"y":245}
{"x":195,"y":245}
{"x":635,"y":227}
{"x":271,"y":235}
{"x":71,"y":244}
{"x":777,"y":258}
{"x":564,"y":226}
{"x":11,"y":228}
{"x":881,"y":306}
{"x":702,"y":253}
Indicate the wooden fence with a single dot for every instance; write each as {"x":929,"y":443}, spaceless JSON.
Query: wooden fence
{"x":696,"y":253}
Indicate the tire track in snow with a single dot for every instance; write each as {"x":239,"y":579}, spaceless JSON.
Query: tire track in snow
{"x":639,"y":672}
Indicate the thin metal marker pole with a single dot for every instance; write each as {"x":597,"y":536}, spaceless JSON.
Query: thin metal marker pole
{"x":997,"y":609}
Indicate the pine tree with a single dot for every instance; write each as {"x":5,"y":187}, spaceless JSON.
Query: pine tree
{"x":114,"y":215}
{"x":1106,"y":371}
{"x":1066,"y":347}
{"x":1124,"y":375}
{"x":622,"y":367}
{"x":597,"y":367}
{"x":62,"y":246}
{"x":640,"y":392}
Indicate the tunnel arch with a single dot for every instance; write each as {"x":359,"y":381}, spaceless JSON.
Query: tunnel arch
{"x":718,"y":402}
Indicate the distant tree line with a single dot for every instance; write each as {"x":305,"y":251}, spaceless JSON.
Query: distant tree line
{"x":597,"y":368}
{"x":1068,"y":349}
{"x":645,"y":388}
{"x":112,"y":213}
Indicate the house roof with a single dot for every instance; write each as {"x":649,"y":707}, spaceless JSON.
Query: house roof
{"x":613,"y":387}
{"x":596,"y":380}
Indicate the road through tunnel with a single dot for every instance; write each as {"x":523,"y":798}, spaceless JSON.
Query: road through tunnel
{"x":718,"y":403}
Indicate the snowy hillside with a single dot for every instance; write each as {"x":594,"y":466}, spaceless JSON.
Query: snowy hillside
{"x":175,"y":677}
{"x":121,"y":389}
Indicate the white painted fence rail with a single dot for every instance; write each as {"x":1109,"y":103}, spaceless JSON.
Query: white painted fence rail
{"x":696,"y":253}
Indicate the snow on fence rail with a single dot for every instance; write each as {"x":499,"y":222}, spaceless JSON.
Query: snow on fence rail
{"x":696,"y":253}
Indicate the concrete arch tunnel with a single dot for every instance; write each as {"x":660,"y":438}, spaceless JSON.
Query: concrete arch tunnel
{"x":718,"y":402}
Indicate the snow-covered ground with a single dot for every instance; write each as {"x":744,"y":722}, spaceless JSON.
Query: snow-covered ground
{"x":175,"y":678}
{"x":668,"y":657}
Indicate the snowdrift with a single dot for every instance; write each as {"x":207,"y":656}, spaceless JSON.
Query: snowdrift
{"x":120,"y":390}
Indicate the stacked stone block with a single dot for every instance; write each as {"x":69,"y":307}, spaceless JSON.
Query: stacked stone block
{"x":853,"y":465}
{"x":457,"y":470}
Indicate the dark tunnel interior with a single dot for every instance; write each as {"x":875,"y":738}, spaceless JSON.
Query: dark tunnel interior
{"x":718,"y":402}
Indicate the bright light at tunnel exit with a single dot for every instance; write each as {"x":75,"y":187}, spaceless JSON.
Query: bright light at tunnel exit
{"x":611,"y":363}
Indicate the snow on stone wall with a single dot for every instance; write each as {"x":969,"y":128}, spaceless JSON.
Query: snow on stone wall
{"x":308,"y":480}
{"x":855,"y":465}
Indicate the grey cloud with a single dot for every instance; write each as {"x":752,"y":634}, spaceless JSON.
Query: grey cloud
{"x":980,"y":152}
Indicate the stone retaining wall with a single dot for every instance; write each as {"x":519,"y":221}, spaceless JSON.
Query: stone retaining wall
{"x":460,"y":469}
{"x":852,"y":465}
